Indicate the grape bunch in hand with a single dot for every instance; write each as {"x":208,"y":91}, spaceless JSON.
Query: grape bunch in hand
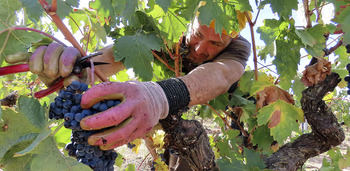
{"x":67,"y":106}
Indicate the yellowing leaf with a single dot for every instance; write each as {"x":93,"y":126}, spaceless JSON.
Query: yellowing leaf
{"x":137,"y":143}
{"x":263,"y":82}
{"x":316,"y":73}
{"x":271,"y":94}
{"x":281,"y":118}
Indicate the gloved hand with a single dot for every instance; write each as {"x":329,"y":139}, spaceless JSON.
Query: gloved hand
{"x":143,"y":104}
{"x":50,"y":62}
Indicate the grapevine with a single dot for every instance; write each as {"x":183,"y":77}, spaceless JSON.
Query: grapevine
{"x":67,"y":106}
{"x":139,"y":34}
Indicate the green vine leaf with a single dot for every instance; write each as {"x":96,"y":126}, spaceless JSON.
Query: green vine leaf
{"x":15,"y":122}
{"x":343,"y":18}
{"x":33,"y":110}
{"x":262,"y":137}
{"x":212,"y":11}
{"x":140,"y":57}
{"x":164,"y":4}
{"x":7,"y":13}
{"x":241,"y":5}
{"x":40,"y":137}
{"x":189,"y":9}
{"x":47,"y":151}
{"x":172,"y":26}
{"x":281,"y":118}
{"x":33,"y":9}
{"x":220,"y":102}
{"x":16,"y":41}
{"x":13,"y":163}
{"x":104,"y":9}
{"x":282,"y":7}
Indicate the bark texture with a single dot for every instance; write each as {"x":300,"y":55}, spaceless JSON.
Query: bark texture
{"x":10,"y":99}
{"x":190,"y":141}
{"x":326,"y":131}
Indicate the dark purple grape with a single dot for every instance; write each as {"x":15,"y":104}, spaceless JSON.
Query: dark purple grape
{"x":77,"y":98}
{"x":69,"y":146}
{"x":96,"y":106}
{"x":78,"y":117}
{"x":117,"y":102}
{"x":75,"y":109}
{"x":68,"y":95}
{"x":103,"y":107}
{"x":74,"y":124}
{"x":67,"y":125}
{"x":110,"y":103}
{"x":83,"y":87}
{"x":75,"y":85}
{"x":68,"y":117}
{"x":61,"y":94}
{"x":57,"y":111}
{"x":88,"y":156}
{"x":67,"y":106}
{"x":59,"y":103}
{"x":347,"y":78}
{"x":86,"y":112}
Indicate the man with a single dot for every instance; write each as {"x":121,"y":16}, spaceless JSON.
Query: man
{"x":218,"y":62}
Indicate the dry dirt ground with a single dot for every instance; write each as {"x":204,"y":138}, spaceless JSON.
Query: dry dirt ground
{"x":142,"y":163}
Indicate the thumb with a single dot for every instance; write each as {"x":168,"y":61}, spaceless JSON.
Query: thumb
{"x":18,"y":57}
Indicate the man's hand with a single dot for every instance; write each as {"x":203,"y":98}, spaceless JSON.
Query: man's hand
{"x":143,"y":104}
{"x":50,"y":62}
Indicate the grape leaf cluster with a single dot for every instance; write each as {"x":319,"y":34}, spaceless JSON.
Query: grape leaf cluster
{"x":67,"y":106}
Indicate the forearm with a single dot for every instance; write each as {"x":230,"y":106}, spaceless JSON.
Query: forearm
{"x":209,"y":80}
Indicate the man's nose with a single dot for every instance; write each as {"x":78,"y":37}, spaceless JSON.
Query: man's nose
{"x":201,"y":47}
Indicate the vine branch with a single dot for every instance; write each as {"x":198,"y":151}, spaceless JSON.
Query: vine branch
{"x":307,"y":13}
{"x":164,"y":62}
{"x":217,"y":113}
{"x":251,"y":25}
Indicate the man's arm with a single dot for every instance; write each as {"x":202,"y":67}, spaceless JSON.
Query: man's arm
{"x":209,"y":80}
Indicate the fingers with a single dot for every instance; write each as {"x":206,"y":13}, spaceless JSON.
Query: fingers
{"x":102,"y":91}
{"x":105,"y":137}
{"x":117,"y":135}
{"x":67,"y":60}
{"x":18,"y":57}
{"x":132,"y":136}
{"x":51,"y":58}
{"x":36,"y":64}
{"x":68,"y":80}
{"x":107,"y":118}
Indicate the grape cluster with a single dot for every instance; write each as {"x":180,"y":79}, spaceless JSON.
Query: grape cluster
{"x":347,"y":78}
{"x":131,"y":146}
{"x":67,"y":106}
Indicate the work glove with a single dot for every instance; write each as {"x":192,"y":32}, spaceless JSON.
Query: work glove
{"x":49,"y":62}
{"x":142,"y":105}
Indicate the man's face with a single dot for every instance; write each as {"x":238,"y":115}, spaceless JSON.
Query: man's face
{"x":204,"y":44}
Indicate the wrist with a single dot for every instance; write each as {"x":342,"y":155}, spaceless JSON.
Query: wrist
{"x":177,"y":94}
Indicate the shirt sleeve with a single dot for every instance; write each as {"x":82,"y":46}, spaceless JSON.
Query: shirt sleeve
{"x":238,"y":50}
